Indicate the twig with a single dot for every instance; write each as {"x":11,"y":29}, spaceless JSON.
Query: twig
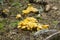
{"x":53,"y":35}
{"x":40,"y":32}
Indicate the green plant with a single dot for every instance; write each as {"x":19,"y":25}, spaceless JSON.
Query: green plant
{"x":55,"y":22}
{"x":1,"y":25}
{"x":16,"y":4}
{"x":14,"y":24}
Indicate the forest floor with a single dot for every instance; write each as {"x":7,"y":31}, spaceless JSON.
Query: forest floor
{"x":8,"y":30}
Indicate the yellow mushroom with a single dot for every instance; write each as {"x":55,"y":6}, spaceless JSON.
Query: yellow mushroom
{"x":28,"y":28}
{"x":6,"y":10}
{"x":23,"y":27}
{"x":38,"y":29}
{"x":45,"y":26}
{"x":25,"y":12}
{"x":34,"y":9}
{"x":29,"y":4}
{"x":29,"y":9}
{"x":18,"y":16}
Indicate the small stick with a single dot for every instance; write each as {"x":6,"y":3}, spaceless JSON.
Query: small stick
{"x":44,"y":31}
{"x":53,"y":35}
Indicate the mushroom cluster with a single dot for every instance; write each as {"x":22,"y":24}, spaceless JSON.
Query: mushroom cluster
{"x":29,"y":9}
{"x":30,"y":23}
